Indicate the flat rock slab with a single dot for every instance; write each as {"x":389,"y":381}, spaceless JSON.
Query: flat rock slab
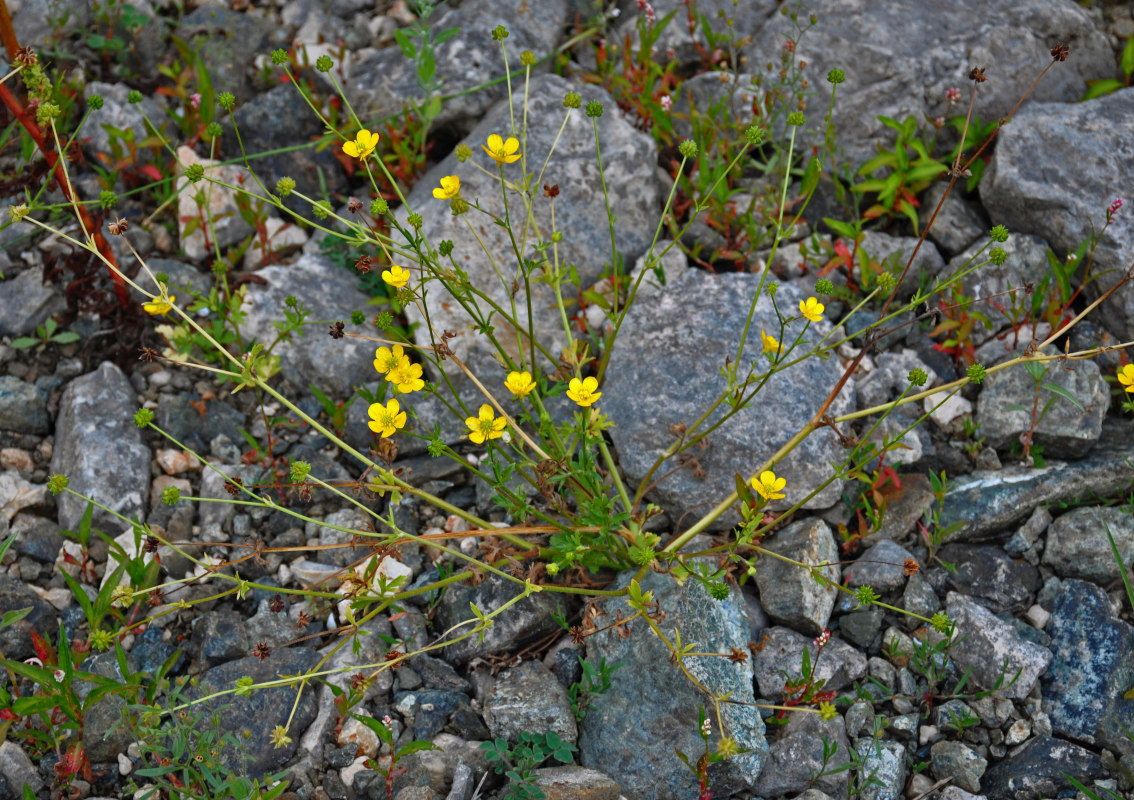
{"x":665,"y":372}
{"x":988,"y":501}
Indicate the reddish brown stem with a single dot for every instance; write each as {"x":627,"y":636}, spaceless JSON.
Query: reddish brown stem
{"x":56,"y":164}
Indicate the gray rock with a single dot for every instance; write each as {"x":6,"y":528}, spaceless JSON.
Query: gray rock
{"x":957,"y":793}
{"x":1093,"y":653}
{"x":704,"y":315}
{"x":528,"y":698}
{"x":118,"y":112}
{"x":904,"y":507}
{"x":790,"y":595}
{"x":861,"y":626}
{"x":897,"y":71}
{"x":183,"y":279}
{"x":893,"y":252}
{"x":580,"y":214}
{"x":464,"y":782}
{"x":885,"y":761}
{"x":651,"y":707}
{"x":522,"y":623}
{"x":782,"y":653}
{"x":991,"y":647}
{"x":1039,"y":769}
{"x":329,"y":292}
{"x":987,"y":575}
{"x":103,"y":735}
{"x":278,"y":123}
{"x":796,"y":757}
{"x":958,"y":224}
{"x":229,"y":41}
{"x":1066,"y":430}
{"x":180,"y":418}
{"x":1078,"y":146}
{"x":438,"y":674}
{"x":920,"y":598}
{"x":15,"y":640}
{"x":1025,"y":263}
{"x":353,"y":519}
{"x":426,"y":711}
{"x":23,"y":407}
{"x":1077,"y":544}
{"x":262,"y":710}
{"x":676,"y":42}
{"x":386,"y":82}
{"x":220,"y":636}
{"x":959,"y":763}
{"x":15,"y":765}
{"x":882,"y":568}
{"x":577,"y":782}
{"x":890,"y":377}
{"x":99,"y":448}
{"x":26,"y":301}
{"x":987,"y":502}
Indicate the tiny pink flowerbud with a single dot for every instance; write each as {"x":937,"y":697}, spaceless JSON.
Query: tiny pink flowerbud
{"x":195,"y":100}
{"x":1115,"y":206}
{"x":952,"y":95}
{"x":666,"y":102}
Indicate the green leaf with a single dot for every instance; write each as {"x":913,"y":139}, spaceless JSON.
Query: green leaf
{"x":1066,"y":395}
{"x":409,"y":50}
{"x":1128,"y":57}
{"x":7,"y":543}
{"x":23,"y":342}
{"x":1102,"y":87}
{"x":66,"y":337}
{"x":416,"y":747}
{"x":426,"y":67}
{"x":880,"y":160}
{"x":14,"y":616}
{"x":445,"y":35}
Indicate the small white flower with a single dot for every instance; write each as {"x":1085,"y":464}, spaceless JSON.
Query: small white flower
{"x":60,"y":675}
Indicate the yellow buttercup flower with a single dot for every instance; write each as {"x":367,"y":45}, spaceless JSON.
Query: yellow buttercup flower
{"x":450,"y":188}
{"x":386,"y":359}
{"x":396,"y":276}
{"x":161,"y":306}
{"x":486,"y":425}
{"x":363,"y":144}
{"x":386,"y":419}
{"x":583,"y":391}
{"x":769,"y":342}
{"x":520,"y":384}
{"x":768,"y":486}
{"x":1126,"y":377}
{"x":811,"y":308}
{"x":406,"y":376}
{"x":502,"y":151}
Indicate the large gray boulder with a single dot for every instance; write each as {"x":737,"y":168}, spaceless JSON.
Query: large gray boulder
{"x":100,"y":449}
{"x":1057,"y":167}
{"x":484,"y":250}
{"x":671,"y":349}
{"x":897,"y":70}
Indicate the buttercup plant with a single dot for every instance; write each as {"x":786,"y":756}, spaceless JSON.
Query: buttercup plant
{"x":585,"y":518}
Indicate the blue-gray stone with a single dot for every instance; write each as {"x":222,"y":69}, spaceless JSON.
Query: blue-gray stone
{"x":1040,"y":770}
{"x":987,"y":502}
{"x":1093,"y":665}
{"x":100,"y":449}
{"x":651,"y":707}
{"x":675,"y":342}
{"x":15,"y":640}
{"x":258,"y":713}
{"x":177,"y":416}
{"x":23,"y":407}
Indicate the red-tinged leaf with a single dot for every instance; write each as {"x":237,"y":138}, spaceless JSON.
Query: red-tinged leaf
{"x":9,"y":714}
{"x":43,"y":650}
{"x":152,"y":172}
{"x":874,"y":212}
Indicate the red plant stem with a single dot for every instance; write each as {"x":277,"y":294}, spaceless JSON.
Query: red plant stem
{"x":53,"y":161}
{"x":8,"y":33}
